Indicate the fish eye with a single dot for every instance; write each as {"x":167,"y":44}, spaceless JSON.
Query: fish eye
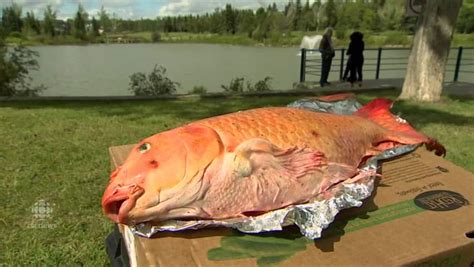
{"x":144,"y":147}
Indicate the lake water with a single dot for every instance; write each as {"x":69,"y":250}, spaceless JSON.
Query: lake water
{"x":104,"y":70}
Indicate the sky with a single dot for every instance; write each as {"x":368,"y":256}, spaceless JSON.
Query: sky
{"x":136,"y":9}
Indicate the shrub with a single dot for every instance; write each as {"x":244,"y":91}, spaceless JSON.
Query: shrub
{"x":236,"y":86}
{"x":156,"y":37}
{"x":341,"y":33}
{"x":199,"y":90}
{"x":396,"y":38}
{"x":16,"y":35}
{"x":15,"y":64}
{"x":262,"y":85}
{"x":156,"y":83}
{"x":275,"y":37}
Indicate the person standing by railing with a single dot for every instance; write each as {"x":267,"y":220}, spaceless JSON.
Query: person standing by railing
{"x":356,"y":57}
{"x":327,"y":53}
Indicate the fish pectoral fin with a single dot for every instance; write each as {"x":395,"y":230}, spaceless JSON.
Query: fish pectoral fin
{"x":260,"y":157}
{"x":242,"y":166}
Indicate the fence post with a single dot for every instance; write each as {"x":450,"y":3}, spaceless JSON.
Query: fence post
{"x":342,"y":64}
{"x":458,"y":64}
{"x":379,"y":57}
{"x":303,"y":65}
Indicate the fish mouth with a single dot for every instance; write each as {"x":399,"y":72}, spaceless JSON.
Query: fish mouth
{"x":120,"y":201}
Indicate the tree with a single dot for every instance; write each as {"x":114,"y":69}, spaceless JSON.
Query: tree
{"x":350,"y":16}
{"x":246,"y":22}
{"x":466,"y":19}
{"x":167,"y":25}
{"x":427,"y":61}
{"x":297,"y":17}
{"x":392,"y":11}
{"x":230,"y":19}
{"x":263,"y":26}
{"x":316,"y":8}
{"x":104,"y":20}
{"x":69,"y":26}
{"x":15,"y":64}
{"x":217,"y":22}
{"x":31,"y":23}
{"x":11,"y":18}
{"x":80,"y":22}
{"x":95,"y":27}
{"x":307,"y":20}
{"x":278,"y":23}
{"x":330,"y":13}
{"x":49,"y":21}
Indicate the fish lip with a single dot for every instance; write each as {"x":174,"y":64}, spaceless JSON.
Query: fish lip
{"x":112,"y":206}
{"x":117,"y":206}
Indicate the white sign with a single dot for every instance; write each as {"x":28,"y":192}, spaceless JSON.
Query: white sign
{"x":414,"y":8}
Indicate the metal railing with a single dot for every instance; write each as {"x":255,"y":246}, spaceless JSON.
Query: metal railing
{"x":379,"y":64}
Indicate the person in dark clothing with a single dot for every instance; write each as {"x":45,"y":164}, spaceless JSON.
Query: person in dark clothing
{"x":356,"y":57}
{"x":327,"y":53}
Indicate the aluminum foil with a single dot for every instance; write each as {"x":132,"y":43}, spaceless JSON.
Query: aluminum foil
{"x":311,"y":217}
{"x":344,"y":107}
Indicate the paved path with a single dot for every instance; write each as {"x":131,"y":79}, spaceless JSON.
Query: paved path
{"x":460,"y":89}
{"x":450,"y":88}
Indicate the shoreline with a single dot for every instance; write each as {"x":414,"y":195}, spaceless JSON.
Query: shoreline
{"x":380,"y":40}
{"x":189,"y":42}
{"x":307,"y":89}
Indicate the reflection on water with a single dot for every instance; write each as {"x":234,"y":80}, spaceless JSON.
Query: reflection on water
{"x":104,"y":70}
{"x":98,"y":70}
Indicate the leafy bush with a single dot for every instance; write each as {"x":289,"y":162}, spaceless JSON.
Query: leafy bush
{"x":465,"y":22}
{"x":15,"y":65}
{"x":261,"y":86}
{"x":275,"y":37}
{"x":341,"y":33}
{"x":156,"y":83}
{"x":16,"y":35}
{"x":199,"y":90}
{"x":396,"y":38}
{"x":156,"y":37}
{"x":236,"y":86}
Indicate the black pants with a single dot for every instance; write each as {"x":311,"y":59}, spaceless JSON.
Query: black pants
{"x":346,"y":71}
{"x":325,"y":67}
{"x":355,"y":68}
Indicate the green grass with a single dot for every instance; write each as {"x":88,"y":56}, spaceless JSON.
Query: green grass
{"x":33,"y":40}
{"x":57,"y":151}
{"x":466,"y":40}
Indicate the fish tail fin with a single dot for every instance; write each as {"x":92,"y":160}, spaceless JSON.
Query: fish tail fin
{"x":400,"y":131}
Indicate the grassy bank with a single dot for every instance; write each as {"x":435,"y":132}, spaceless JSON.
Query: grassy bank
{"x":385,"y":39}
{"x":57,"y":151}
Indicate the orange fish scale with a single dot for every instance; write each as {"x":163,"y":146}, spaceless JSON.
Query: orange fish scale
{"x":288,"y":127}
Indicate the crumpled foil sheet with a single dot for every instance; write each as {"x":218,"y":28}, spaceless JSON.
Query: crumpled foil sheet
{"x":344,"y":107}
{"x":311,"y":217}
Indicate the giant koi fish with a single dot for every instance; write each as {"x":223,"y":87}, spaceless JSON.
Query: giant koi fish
{"x":251,"y":162}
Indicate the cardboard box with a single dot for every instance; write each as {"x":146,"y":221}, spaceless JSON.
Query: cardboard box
{"x":418,"y":215}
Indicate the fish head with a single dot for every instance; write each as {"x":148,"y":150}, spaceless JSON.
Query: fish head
{"x":158,"y":169}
